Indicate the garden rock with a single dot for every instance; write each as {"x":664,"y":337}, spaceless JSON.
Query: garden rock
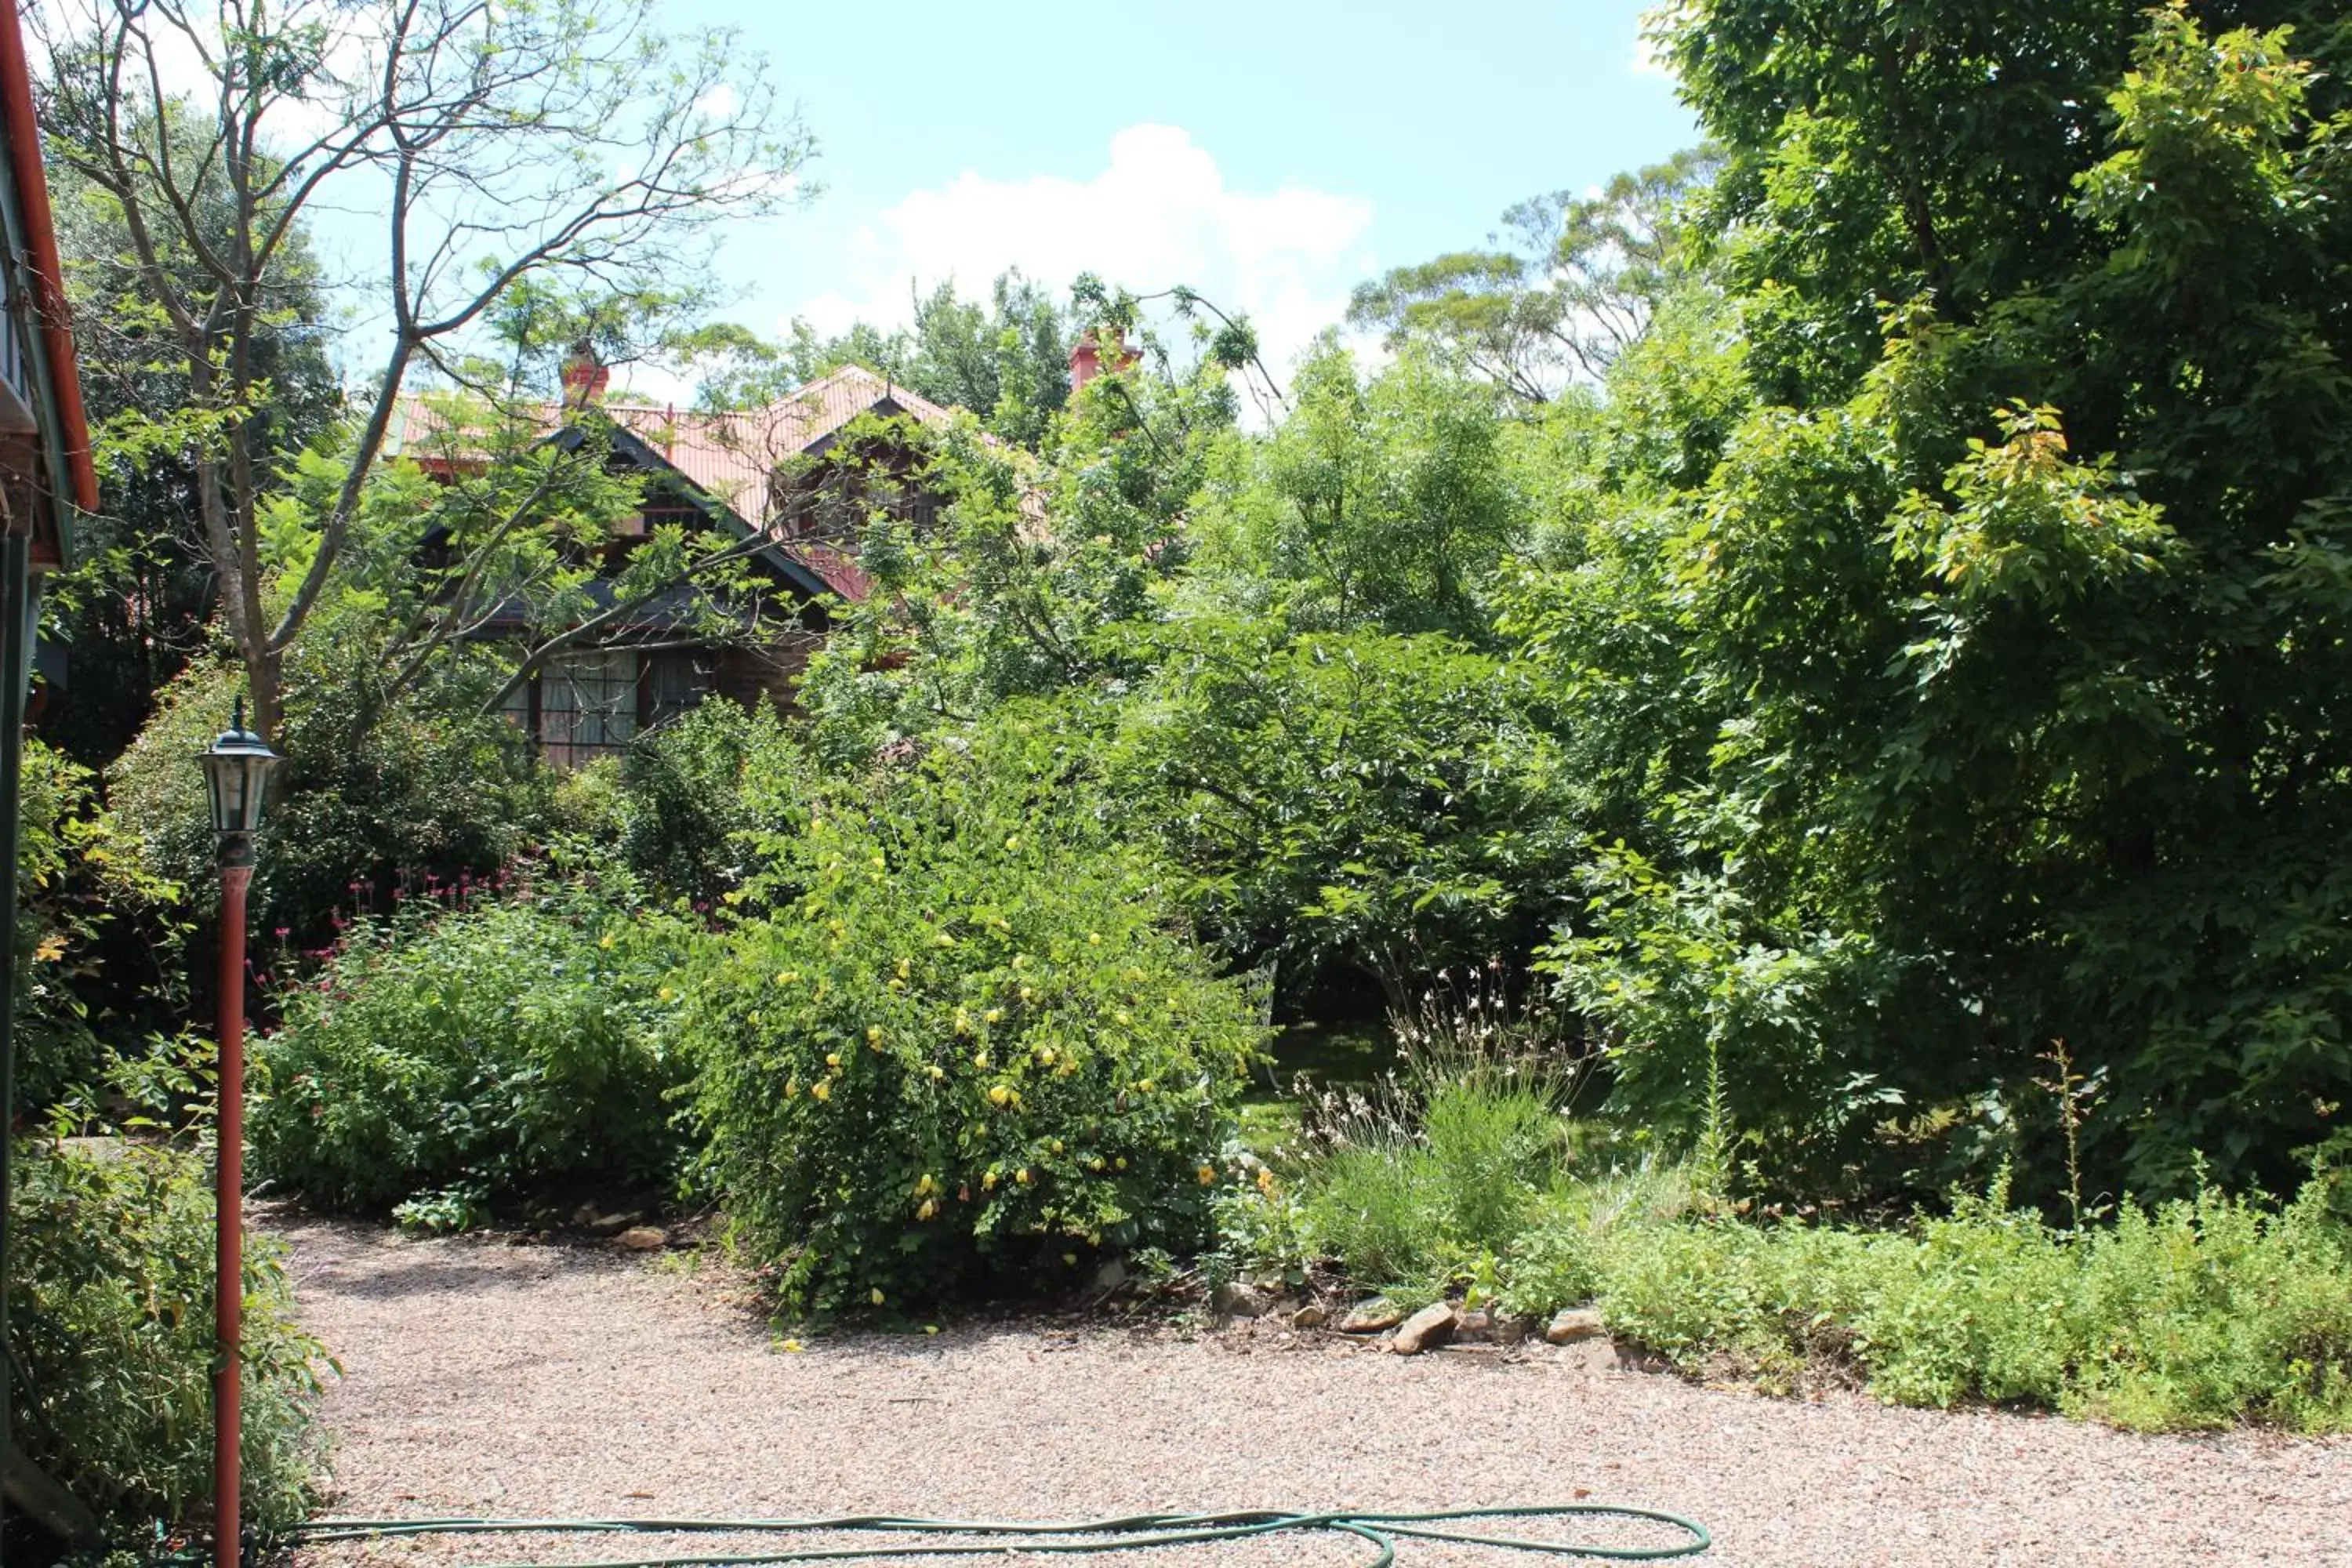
{"x":1375,"y":1316}
{"x":1309,"y":1317}
{"x":1429,"y":1327}
{"x":1239,"y":1299}
{"x":642,"y":1239}
{"x":1573,"y":1323}
{"x":615,"y":1224}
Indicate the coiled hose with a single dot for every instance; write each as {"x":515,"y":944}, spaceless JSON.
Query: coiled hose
{"x":974,"y":1538}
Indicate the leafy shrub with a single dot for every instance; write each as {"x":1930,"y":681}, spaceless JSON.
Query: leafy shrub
{"x":96,"y":939}
{"x":696,"y":789}
{"x":488,"y":1048}
{"x":972,"y":1048}
{"x":111,"y":1331}
{"x":434,"y":788}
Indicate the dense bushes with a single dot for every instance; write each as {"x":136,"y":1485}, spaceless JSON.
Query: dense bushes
{"x":478,"y":1050}
{"x":110,"y":1331}
{"x":969,"y":1044}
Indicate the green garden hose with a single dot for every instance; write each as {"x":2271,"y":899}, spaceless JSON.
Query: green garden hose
{"x":971,"y":1537}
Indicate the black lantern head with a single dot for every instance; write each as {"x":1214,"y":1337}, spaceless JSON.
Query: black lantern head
{"x":236,"y":772}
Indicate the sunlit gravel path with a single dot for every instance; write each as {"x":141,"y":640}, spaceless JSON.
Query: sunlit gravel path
{"x":487,"y":1378}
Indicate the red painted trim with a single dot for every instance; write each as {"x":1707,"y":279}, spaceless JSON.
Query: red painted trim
{"x":41,"y":237}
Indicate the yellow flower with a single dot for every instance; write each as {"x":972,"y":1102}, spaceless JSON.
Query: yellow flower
{"x":902,"y":969}
{"x":875,"y":1296}
{"x":944,"y":940}
{"x":1071,"y":1258}
{"x":1027,"y":994}
{"x":1120,"y":1162}
{"x":1265,"y":1180}
{"x":931,"y":1206}
{"x":1094,"y":939}
{"x":1013,"y":841}
{"x":1055,"y":1145}
{"x":962,"y":1022}
{"x":873,"y":1033}
{"x":930,"y":1328}
{"x":792,"y":1089}
{"x":788,"y":976}
{"x":605,"y":941}
{"x":821,"y":1089}
{"x":792,"y":1347}
{"x":833,"y":1058}
{"x":1121,"y":1019}
{"x":1096,"y":1163}
{"x":925,"y":1185}
{"x":994,"y":1015}
{"x":1022,"y":1176}
{"x":1146,"y":1086}
{"x":1020,"y":959}
{"x":880,"y":863}
{"x":936,"y":1071}
{"x":1046,"y":1055}
{"x":1208,"y":1175}
{"x":988,"y":1182}
{"x":53,"y":947}
{"x":897,"y":983}
{"x":667,"y":993}
{"x":998,"y":1094}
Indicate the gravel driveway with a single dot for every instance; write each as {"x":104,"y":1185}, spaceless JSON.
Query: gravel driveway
{"x":486,"y":1378}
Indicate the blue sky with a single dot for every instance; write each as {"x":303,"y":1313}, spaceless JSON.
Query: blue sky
{"x":1270,"y":155}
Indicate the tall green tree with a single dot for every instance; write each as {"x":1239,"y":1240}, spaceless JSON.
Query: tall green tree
{"x":2012,"y":611}
{"x":1567,"y":288}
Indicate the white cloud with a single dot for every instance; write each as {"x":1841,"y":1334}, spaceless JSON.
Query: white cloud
{"x":1160,"y":213}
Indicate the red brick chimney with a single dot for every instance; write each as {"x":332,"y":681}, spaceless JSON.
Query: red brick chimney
{"x":584,"y":377}
{"x":1087,"y":355}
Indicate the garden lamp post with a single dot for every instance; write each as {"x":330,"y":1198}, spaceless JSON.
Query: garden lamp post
{"x":237,"y":773}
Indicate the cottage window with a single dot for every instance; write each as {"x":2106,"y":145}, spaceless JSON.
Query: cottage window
{"x":587,"y":704}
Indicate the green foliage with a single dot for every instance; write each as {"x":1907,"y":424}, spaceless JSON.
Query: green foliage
{"x":426,"y":790}
{"x":110,"y":1343}
{"x":965,"y":1044}
{"x":1005,"y":359}
{"x":487,"y":1049}
{"x":695,"y":792}
{"x":1378,"y":502}
{"x":2199,"y":1313}
{"x":1392,"y":804}
{"x":97,"y":935}
{"x":1953,"y":650}
{"x":1443,"y":1167}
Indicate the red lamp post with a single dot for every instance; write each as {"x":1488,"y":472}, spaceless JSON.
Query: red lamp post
{"x":237,"y":774}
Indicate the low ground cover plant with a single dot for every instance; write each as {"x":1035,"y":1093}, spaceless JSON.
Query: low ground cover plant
{"x":967,"y":1046}
{"x":2197,"y":1313}
{"x":467,"y":1051}
{"x":110,"y":1335}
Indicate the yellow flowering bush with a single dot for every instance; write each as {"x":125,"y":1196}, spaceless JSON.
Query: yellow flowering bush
{"x":965,"y":1049}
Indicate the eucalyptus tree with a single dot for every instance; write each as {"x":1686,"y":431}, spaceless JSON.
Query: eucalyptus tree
{"x":1567,"y":288}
